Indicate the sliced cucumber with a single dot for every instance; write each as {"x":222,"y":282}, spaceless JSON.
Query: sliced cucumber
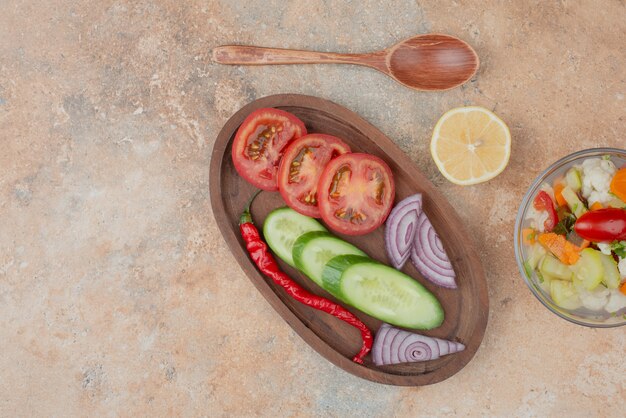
{"x":589,"y":268}
{"x":552,"y":267}
{"x":332,"y":272}
{"x":574,"y":203}
{"x":314,"y":249}
{"x":564,"y":294}
{"x":544,"y":281}
{"x":282,"y":227}
{"x":616,"y":202}
{"x":611,"y":273}
{"x":383,"y":292}
{"x":535,"y":254}
{"x":528,"y":270}
{"x":573,"y":179}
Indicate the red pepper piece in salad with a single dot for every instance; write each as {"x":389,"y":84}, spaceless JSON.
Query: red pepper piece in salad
{"x":603,"y":225}
{"x":543,"y":201}
{"x":264,"y":260}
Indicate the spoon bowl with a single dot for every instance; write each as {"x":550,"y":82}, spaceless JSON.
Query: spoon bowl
{"x":429,"y":62}
{"x":432,"y":62}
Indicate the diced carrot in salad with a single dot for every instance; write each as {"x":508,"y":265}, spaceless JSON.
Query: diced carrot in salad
{"x":618,"y":184}
{"x":558,"y":195}
{"x":596,"y":206}
{"x":529,"y":235}
{"x":558,"y":245}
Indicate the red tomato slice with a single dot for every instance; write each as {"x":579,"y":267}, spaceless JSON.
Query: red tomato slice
{"x":355,"y":193}
{"x":301,"y":167}
{"x":260,"y":142}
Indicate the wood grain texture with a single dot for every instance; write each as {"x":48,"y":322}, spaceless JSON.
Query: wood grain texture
{"x":256,"y":55}
{"x":425,"y":62}
{"x":466,"y":308}
{"x":432,"y":62}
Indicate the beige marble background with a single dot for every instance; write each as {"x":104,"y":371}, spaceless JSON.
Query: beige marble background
{"x":118,"y":296}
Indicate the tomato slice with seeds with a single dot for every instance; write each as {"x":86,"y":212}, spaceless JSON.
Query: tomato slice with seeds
{"x":301,"y":167}
{"x":355,"y":193}
{"x":260,"y":142}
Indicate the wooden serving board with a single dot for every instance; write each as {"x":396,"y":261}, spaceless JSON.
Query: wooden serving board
{"x":466,"y":308}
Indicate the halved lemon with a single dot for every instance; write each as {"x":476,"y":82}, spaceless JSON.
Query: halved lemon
{"x":470,"y":145}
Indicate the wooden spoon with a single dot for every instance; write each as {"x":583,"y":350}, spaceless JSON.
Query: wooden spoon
{"x":423,"y":62}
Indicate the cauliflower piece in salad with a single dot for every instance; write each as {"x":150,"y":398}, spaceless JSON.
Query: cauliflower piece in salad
{"x":593,"y":299}
{"x":596,"y":180}
{"x":537,"y":218}
{"x":617,"y":301}
{"x":604,"y":248}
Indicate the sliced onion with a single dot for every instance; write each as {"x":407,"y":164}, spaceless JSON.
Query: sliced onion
{"x":429,"y":257}
{"x":444,"y":346}
{"x":400,"y":229}
{"x":417,"y":347}
{"x":391,"y":335}
{"x":377,"y":352}
{"x":393,"y":346}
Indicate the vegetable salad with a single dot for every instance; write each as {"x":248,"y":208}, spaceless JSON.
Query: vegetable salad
{"x":575,"y":238}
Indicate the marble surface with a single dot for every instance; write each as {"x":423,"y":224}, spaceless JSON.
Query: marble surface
{"x":118,"y":296}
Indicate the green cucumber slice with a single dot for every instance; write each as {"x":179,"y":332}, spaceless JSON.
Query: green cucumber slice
{"x":314,"y":249}
{"x":611,"y":273}
{"x":552,"y":267}
{"x":564,"y":294}
{"x":589,"y":268}
{"x":535,"y":254}
{"x":573,"y":180}
{"x":574,"y":203}
{"x":544,"y":281}
{"x":616,"y":202}
{"x":282,"y":227}
{"x":332,"y":272}
{"x":383,"y":292}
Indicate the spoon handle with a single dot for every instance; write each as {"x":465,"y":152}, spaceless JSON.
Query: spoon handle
{"x":255,"y":55}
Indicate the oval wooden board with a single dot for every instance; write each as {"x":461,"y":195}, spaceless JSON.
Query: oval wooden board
{"x":466,"y":308}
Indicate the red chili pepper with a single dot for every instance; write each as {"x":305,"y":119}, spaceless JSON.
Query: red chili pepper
{"x":602,"y":225}
{"x":543,"y":201}
{"x":268,"y":266}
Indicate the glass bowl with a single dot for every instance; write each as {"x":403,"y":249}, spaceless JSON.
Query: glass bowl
{"x":579,"y":316}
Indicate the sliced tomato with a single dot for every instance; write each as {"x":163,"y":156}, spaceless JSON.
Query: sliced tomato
{"x":355,"y":193}
{"x":301,"y":167}
{"x":260,"y":142}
